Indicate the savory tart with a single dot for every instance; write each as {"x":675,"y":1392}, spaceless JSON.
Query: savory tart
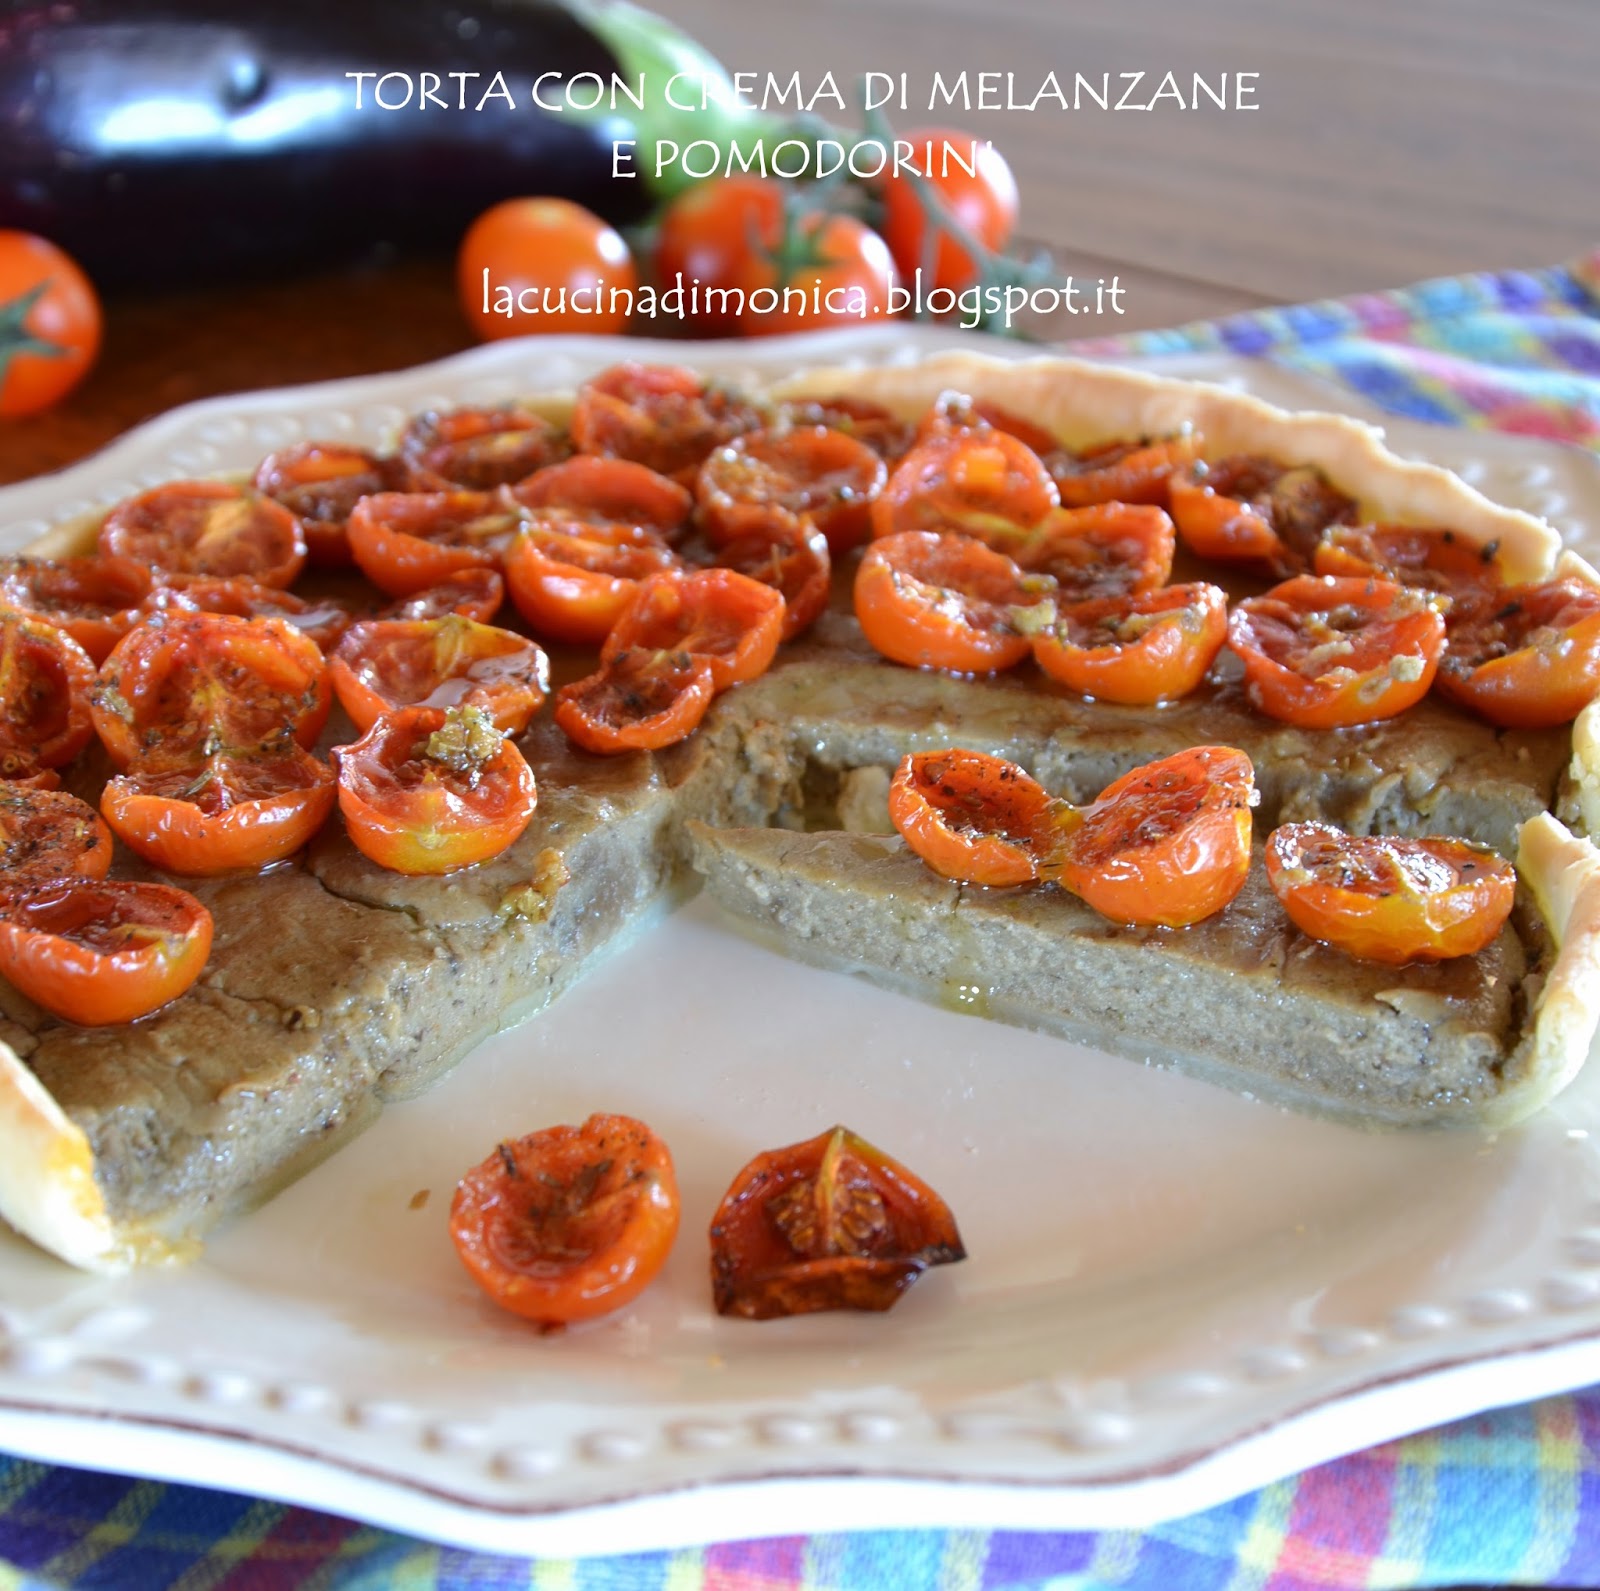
{"x":336,"y":982}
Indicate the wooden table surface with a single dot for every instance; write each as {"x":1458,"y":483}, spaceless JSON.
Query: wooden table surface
{"x":1392,"y":142}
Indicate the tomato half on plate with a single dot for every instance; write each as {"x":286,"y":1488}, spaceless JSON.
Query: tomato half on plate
{"x":1106,"y":550}
{"x":951,"y":602}
{"x":730,"y":620}
{"x":476,"y":450}
{"x":95,"y":600}
{"x":572,"y":585}
{"x":1137,"y":650}
{"x":476,"y":593}
{"x":1386,"y":899}
{"x":640,"y":700}
{"x":45,"y":683}
{"x":954,"y":411}
{"x":982,"y":483}
{"x":207,"y":528}
{"x":587,"y":490}
{"x":100,"y":951}
{"x":1425,"y":556}
{"x":228,"y":814}
{"x":385,"y":664}
{"x":975,"y":818}
{"x":49,"y":834}
{"x":1251,"y":510}
{"x":320,"y":483}
{"x":1324,"y":652}
{"x":429,"y":791}
{"x":324,"y":621}
{"x":569,"y":1223}
{"x":1120,"y":472}
{"x":405,"y":542}
{"x":881,"y":429}
{"x":832,"y":1223}
{"x":665,"y":417}
{"x":1524,"y":657}
{"x":790,"y":555}
{"x":190,"y":684}
{"x":1167,"y":844}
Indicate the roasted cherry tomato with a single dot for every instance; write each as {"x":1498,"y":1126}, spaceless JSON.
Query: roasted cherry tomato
{"x":830,"y":270}
{"x":790,"y":555}
{"x":98,"y":951}
{"x":1524,"y":657}
{"x":476,"y":450}
{"x":706,"y":237}
{"x":811,"y":470}
{"x":408,"y":541}
{"x":975,"y":818}
{"x":430,"y":791}
{"x":1411,"y":555}
{"x":730,"y":620}
{"x":476,"y":593}
{"x":319,"y":483}
{"x":1105,"y":550}
{"x":207,"y":528}
{"x":1325,"y":652}
{"x":45,"y":682}
{"x":323,"y":621}
{"x":568,"y":1223}
{"x":543,"y":266}
{"x":983,"y":483}
{"x":953,"y":410}
{"x":1120,"y":472}
{"x":38,"y":779}
{"x":95,"y":600}
{"x":186,"y":685}
{"x":227,"y":814}
{"x":1387,"y":899}
{"x":572,"y":586}
{"x":1255,"y":511}
{"x":451,"y":662}
{"x":663,"y":416}
{"x":944,"y":602}
{"x":49,"y":324}
{"x":639,"y":701}
{"x":1138,"y":650}
{"x":884,"y":432}
{"x":968,"y":180}
{"x":587,"y":490}
{"x":49,"y":834}
{"x":832,"y":1223}
{"x":1167,"y":844}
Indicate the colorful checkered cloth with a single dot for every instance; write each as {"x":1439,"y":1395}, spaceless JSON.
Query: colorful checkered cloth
{"x":1511,"y":1498}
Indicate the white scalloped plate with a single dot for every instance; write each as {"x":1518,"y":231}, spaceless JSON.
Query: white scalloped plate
{"x":1173,"y":1294}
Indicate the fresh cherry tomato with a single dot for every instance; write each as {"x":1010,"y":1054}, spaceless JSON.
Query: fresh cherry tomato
{"x":946,"y":602}
{"x":322,"y":621}
{"x":638,"y":701}
{"x":227,"y":814}
{"x":383,"y":664}
{"x":49,"y":324}
{"x":1386,"y":899}
{"x":1325,"y":652}
{"x":95,"y":600}
{"x":1167,"y":844}
{"x":1120,"y":472}
{"x":207,"y":528}
{"x":408,"y":541}
{"x":811,"y":470}
{"x":975,"y":818}
{"x":1255,"y":511}
{"x":968,"y":181}
{"x":833,"y":1223}
{"x":1424,"y":556}
{"x":430,"y":791}
{"x":830,"y":270}
{"x":706,"y":237}
{"x":568,"y":1223}
{"x":1150,"y":647}
{"x":319,"y":483}
{"x":879,"y":428}
{"x":45,"y":681}
{"x":186,"y":685}
{"x":588,"y":490}
{"x":475,"y":593}
{"x":984,"y":483}
{"x":100,"y":951}
{"x":531,"y":266}
{"x":572,"y":586}
{"x":790,"y":555}
{"x":1524,"y":657}
{"x":730,"y":620}
{"x":49,"y":834}
{"x":665,"y":417}
{"x":1105,"y":550}
{"x":476,"y":450}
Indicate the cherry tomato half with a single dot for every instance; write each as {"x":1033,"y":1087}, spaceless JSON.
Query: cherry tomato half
{"x":969,"y":181}
{"x":1105,"y":550}
{"x":49,"y":834}
{"x":476,"y":450}
{"x":207,"y":528}
{"x":319,"y":483}
{"x":790,"y":555}
{"x":665,"y":417}
{"x":408,"y":541}
{"x":638,"y":701}
{"x":730,"y":620}
{"x":572,"y":586}
{"x":95,"y":600}
{"x":587,"y":490}
{"x":49,"y":324}
{"x":568,"y":1223}
{"x":1424,"y":556}
{"x":45,"y":683}
{"x":475,"y":593}
{"x":1253,"y":510}
{"x":322,"y":622}
{"x":1120,"y":472}
{"x":1386,"y":899}
{"x":983,"y":483}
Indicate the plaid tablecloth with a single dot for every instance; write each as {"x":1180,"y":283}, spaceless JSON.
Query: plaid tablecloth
{"x":1511,"y":1498}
